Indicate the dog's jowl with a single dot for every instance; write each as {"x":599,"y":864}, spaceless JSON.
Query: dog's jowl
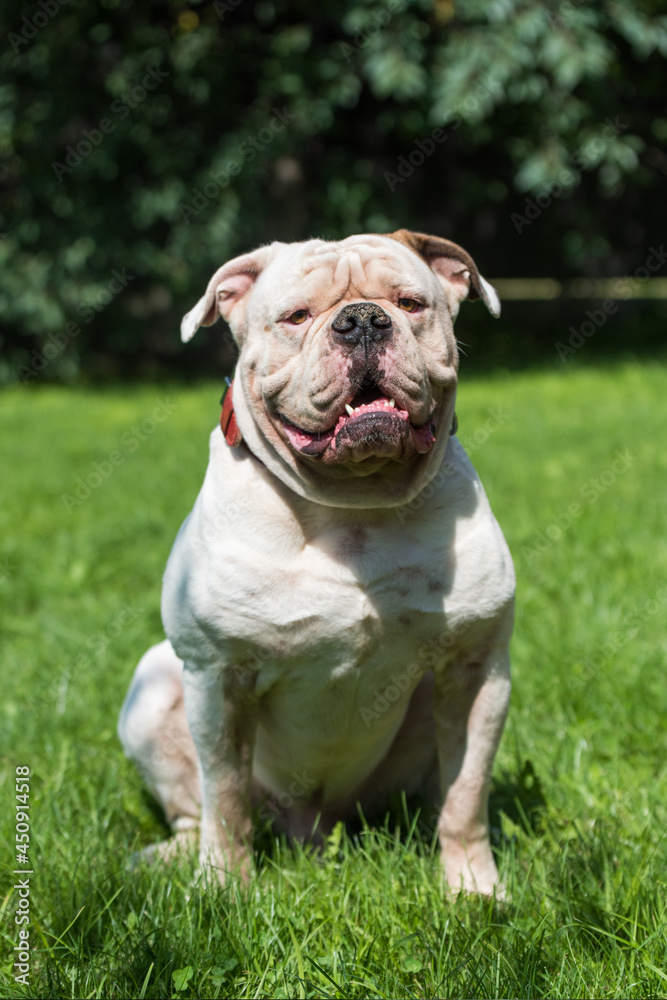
{"x":339,"y":602}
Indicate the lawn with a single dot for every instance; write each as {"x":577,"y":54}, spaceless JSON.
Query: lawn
{"x":95,"y":485}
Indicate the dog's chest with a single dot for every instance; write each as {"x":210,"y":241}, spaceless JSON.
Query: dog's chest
{"x":306,"y":595}
{"x":334,"y":616}
{"x":353,"y":599}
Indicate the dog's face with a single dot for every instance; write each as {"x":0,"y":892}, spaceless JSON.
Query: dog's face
{"x":347,"y":372}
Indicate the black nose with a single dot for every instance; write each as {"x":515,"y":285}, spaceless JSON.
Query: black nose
{"x":361,"y":322}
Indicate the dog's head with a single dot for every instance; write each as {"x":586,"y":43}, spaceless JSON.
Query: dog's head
{"x":346,"y":378}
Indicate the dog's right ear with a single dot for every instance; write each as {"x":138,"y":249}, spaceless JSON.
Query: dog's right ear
{"x":227,"y":292}
{"x":454,"y":267}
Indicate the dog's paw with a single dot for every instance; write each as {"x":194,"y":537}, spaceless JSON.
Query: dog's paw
{"x":181,"y":846}
{"x":470,"y":868}
{"x":218,"y":867}
{"x":496,"y":890}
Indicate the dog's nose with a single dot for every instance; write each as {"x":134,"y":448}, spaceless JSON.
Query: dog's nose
{"x":361,"y":322}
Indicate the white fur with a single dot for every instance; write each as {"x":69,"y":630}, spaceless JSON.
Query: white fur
{"x":331,"y":654}
{"x":491,"y":297}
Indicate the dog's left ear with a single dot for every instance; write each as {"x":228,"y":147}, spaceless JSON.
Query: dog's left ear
{"x":227,"y":291}
{"x":453,"y":265}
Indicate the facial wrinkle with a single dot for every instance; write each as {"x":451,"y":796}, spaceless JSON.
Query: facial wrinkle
{"x":373,"y":277}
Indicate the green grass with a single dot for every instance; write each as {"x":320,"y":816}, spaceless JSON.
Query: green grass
{"x":580,"y":789}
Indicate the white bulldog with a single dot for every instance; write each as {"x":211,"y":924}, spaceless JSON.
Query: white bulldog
{"x":339,"y":603}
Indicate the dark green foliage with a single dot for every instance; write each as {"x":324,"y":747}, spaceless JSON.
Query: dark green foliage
{"x":313,"y":118}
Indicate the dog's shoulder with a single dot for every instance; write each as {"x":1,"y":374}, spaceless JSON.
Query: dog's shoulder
{"x":483,"y":571}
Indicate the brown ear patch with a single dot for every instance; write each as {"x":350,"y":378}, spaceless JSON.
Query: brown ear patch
{"x":429,"y":248}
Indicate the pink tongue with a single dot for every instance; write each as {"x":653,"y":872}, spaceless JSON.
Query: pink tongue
{"x":298,"y":438}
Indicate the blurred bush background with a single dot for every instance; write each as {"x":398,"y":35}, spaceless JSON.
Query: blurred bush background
{"x":144,"y":144}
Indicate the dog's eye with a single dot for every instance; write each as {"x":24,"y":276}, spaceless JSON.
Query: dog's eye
{"x":410,"y":305}
{"x":300,"y":316}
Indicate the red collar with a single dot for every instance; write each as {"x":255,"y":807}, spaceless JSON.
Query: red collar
{"x":228,"y":424}
{"x":230,"y":428}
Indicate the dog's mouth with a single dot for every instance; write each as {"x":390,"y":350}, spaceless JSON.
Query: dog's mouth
{"x":371,"y":424}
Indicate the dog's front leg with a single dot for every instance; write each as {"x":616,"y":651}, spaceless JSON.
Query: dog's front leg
{"x":221,"y":709}
{"x":471,"y":704}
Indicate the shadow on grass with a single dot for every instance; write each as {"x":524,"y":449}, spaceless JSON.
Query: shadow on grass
{"x":521,"y":799}
{"x":414,"y":819}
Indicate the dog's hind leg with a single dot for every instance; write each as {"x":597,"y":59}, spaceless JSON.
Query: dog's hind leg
{"x":155,"y":735}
